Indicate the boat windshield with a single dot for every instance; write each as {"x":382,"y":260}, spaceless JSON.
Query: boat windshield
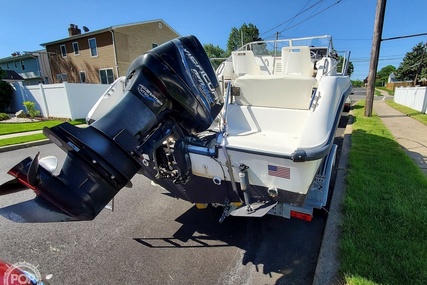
{"x":323,"y":44}
{"x":320,"y":46}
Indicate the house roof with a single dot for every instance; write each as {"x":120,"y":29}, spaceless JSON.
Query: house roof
{"x":22,"y":56}
{"x":10,"y":75}
{"x":112,"y":28}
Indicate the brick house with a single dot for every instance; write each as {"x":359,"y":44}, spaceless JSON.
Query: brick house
{"x":104,"y":55}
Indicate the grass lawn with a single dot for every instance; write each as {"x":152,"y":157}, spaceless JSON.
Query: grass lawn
{"x":408,"y":111}
{"x":11,"y":128}
{"x":390,"y":92}
{"x":384,"y":229}
{"x":22,"y":139}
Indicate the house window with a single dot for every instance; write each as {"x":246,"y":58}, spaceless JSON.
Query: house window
{"x":63,"y":50}
{"x":7,"y":65}
{"x":61,"y":77}
{"x":76,"y":48}
{"x":92,"y":47}
{"x":82,"y":77}
{"x":15,"y":63}
{"x":22,"y":65}
{"x":106,"y":76}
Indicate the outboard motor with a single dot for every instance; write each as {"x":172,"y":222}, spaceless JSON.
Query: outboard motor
{"x":171,"y":92}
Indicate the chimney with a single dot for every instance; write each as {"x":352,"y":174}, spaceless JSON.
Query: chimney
{"x":74,"y":30}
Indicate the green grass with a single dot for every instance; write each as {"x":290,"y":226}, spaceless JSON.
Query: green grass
{"x":390,"y":92}
{"x":408,"y":111}
{"x":21,"y":139}
{"x":11,"y":128}
{"x":384,"y":229}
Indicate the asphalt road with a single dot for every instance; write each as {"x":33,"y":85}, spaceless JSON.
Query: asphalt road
{"x":358,"y":94}
{"x":152,"y":238}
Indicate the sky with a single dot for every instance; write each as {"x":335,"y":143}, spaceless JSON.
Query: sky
{"x":25,"y":24}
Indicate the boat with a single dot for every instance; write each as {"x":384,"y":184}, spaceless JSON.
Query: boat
{"x":254,"y":137}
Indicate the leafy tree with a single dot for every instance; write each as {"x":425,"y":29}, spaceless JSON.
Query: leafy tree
{"x":383,"y":74}
{"x":350,"y":67}
{"x":245,"y":34}
{"x":357,"y":83}
{"x":6,"y":92}
{"x":410,"y":64}
{"x":215,"y":52}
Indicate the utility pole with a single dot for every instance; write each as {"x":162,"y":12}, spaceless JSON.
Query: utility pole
{"x":375,"y":53}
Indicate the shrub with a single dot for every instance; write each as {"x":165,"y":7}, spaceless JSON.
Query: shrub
{"x":4,"y":116}
{"x":31,"y":109}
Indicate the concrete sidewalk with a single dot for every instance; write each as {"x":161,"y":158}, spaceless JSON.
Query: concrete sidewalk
{"x":22,"y":145}
{"x":28,"y":144}
{"x":408,"y":132}
{"x":15,"y":135}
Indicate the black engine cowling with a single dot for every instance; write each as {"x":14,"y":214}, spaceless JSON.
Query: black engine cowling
{"x":171,"y":92}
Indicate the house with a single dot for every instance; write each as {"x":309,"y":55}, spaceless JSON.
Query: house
{"x":33,"y":67}
{"x":103,"y":55}
{"x":11,"y":76}
{"x":391,"y":78}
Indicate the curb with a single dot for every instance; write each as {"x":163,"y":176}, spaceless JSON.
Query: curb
{"x":328,"y":263}
{"x":24,"y":145}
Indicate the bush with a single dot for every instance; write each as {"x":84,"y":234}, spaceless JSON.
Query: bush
{"x":31,"y":109}
{"x":4,"y":116}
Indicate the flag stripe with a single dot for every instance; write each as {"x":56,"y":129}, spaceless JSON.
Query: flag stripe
{"x":279,"y":171}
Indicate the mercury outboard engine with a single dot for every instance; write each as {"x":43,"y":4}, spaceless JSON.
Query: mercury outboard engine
{"x":171,"y":92}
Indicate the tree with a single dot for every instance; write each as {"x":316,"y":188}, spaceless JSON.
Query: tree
{"x":215,"y":52}
{"x":357,"y":83}
{"x":239,"y":37}
{"x":350,"y":67}
{"x":411,"y":63}
{"x":383,"y":74}
{"x":6,"y":92}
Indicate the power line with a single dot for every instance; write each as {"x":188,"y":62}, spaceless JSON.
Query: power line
{"x":403,"y":37}
{"x":293,"y":17}
{"x":299,"y":13}
{"x":312,"y":16}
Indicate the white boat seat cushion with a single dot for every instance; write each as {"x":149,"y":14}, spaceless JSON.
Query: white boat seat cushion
{"x":277,"y":91}
{"x":244,"y":63}
{"x":263,"y":129}
{"x":297,"y":61}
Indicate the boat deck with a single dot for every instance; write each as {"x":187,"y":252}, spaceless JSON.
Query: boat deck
{"x":265,"y":129}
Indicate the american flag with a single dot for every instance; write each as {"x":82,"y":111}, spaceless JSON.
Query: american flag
{"x":279,"y":171}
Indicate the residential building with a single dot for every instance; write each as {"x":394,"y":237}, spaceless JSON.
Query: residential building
{"x":102,"y":56}
{"x":33,"y":67}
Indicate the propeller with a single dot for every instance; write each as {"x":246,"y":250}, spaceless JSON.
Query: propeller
{"x":11,"y":186}
{"x":33,"y":176}
{"x":49,"y":163}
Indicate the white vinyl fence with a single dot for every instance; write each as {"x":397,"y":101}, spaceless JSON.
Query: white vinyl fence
{"x":63,"y":100}
{"x":412,"y":97}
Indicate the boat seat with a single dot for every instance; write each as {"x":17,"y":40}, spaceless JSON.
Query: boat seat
{"x":244,"y":63}
{"x":277,"y":91}
{"x":263,"y":129}
{"x":296,"y":60}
